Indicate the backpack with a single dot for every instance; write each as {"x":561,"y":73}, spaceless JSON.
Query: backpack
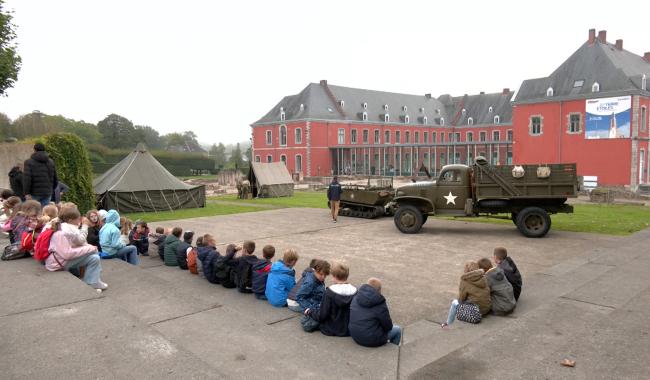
{"x":27,"y":241}
{"x":468,"y":312}
{"x":42,"y":245}
{"x":243,"y":276}
{"x":13,"y":252}
{"x":223,"y":272}
{"x":191,"y":261}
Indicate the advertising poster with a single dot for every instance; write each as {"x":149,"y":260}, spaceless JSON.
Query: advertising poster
{"x":608,"y":118}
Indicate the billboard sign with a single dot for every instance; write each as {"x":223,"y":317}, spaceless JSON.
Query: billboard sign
{"x":608,"y":118}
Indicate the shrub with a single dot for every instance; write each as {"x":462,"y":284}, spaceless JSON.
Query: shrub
{"x":72,"y":167}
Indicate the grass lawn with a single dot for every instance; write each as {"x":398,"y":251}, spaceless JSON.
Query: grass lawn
{"x":312,"y":199}
{"x":211,"y":209}
{"x":595,"y":218}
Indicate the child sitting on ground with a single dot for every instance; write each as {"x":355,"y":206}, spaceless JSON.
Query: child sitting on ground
{"x":126,"y":225}
{"x":243,"y":267}
{"x":473,"y":289}
{"x":333,"y":314}
{"x":171,"y":244}
{"x":502,"y":298}
{"x":209,"y":255}
{"x":282,"y":278}
{"x":10,"y":208}
{"x":261,"y":270}
{"x":370,"y":323}
{"x":510,"y":269}
{"x":224,"y":267}
{"x":291,"y":297}
{"x":139,"y":237}
{"x":157,"y":240}
{"x":183,"y":248}
{"x":26,"y":219}
{"x":111,"y":243}
{"x":199,"y":263}
{"x":311,"y":293}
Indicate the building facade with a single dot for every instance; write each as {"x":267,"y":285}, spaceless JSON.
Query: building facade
{"x":592,"y":110}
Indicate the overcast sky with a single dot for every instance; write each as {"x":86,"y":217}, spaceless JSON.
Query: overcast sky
{"x":216,"y":67}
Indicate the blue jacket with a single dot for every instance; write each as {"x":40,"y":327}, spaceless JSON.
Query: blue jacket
{"x":369,"y":318}
{"x":334,"y":191}
{"x":311,"y":292}
{"x":109,"y":235}
{"x":280,"y":281}
{"x":260,"y":274}
{"x":208,"y":257}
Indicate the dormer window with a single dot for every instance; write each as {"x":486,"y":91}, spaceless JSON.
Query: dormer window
{"x":404,"y":108}
{"x":442,"y":121}
{"x":490,"y":109}
{"x":595,"y":87}
{"x":578,"y":83}
{"x":341,"y":103}
{"x":644,"y":82}
{"x":470,"y":121}
{"x":463,"y":111}
{"x":385,"y":107}
{"x":406,"y":119}
{"x":549,"y":91}
{"x":437,"y":111}
{"x":365,"y":106}
{"x":386,"y":118}
{"x":424,"y":120}
{"x":302,"y":107}
{"x":282,"y":115}
{"x":364,"y":116}
{"x":497,"y":119}
{"x":421,"y":109}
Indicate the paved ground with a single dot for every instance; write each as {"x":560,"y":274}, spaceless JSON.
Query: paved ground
{"x":585,"y":297}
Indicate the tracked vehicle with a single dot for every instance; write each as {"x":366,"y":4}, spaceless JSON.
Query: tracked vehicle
{"x":367,"y":201}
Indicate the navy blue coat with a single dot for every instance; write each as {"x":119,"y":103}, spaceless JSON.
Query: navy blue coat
{"x":334,"y":191}
{"x":311,"y":292}
{"x":208,"y":257}
{"x":181,"y":254}
{"x":370,"y":320}
{"x":260,"y":273}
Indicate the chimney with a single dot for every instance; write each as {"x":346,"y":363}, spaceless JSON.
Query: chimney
{"x":506,"y":91}
{"x":646,"y":56}
{"x":482,"y":93}
{"x":323,"y":82}
{"x":427,"y":96}
{"x":602,"y":36}
{"x":619,"y":44}
{"x":592,"y":36}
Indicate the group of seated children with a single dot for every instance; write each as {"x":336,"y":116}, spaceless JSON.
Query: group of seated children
{"x":338,"y":310}
{"x":489,"y":287}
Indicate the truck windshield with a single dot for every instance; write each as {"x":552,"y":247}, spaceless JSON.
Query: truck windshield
{"x":451,"y":176}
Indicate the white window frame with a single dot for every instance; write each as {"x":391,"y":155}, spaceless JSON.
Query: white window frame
{"x":386,"y":137}
{"x":425,"y":120}
{"x":365,"y":136}
{"x":490,"y":109}
{"x":406,"y":119}
{"x":579,"y":130}
{"x":482,"y":136}
{"x":549,"y":92}
{"x":340,"y":136}
{"x":258,"y":158}
{"x":644,"y":118}
{"x":295,"y":162}
{"x":407,"y":137}
{"x":269,"y":158}
{"x":509,"y":135}
{"x":385,"y":107}
{"x":376,"y":138}
{"x":365,"y":105}
{"x":269,"y":137}
{"x":497,"y":119}
{"x":496,"y":134}
{"x":470,"y":121}
{"x":364,"y":116}
{"x":644,"y":82}
{"x":405,"y":108}
{"x":342,"y":103}
{"x":416,"y":137}
{"x":354,"y":136}
{"x":283,"y":159}
{"x":386,"y":118}
{"x":469,"y":137}
{"x":298,"y":135}
{"x":530,"y":125}
{"x":442,"y":121}
{"x":595,"y":87}
{"x":283,"y":128}
{"x":398,"y":137}
{"x":282,"y":116}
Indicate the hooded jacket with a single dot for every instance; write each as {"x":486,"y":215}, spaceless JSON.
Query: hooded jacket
{"x":64,"y":252}
{"x":181,"y":253}
{"x":294,"y":290}
{"x":243,"y":272}
{"x":208,"y":257}
{"x":311,"y":292}
{"x":260,"y":274}
{"x":109,"y":235}
{"x":16,"y":181}
{"x":280,"y":281}
{"x":370,"y":320}
{"x":501,"y":294}
{"x":334,"y":191}
{"x":474,"y":288}
{"x":171,"y":244}
{"x":512,"y":274}
{"x":333,"y":314}
{"x":39,"y":178}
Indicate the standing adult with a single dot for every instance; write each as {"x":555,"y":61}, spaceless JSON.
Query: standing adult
{"x":334,"y":196}
{"x":16,"y":180}
{"x":59,"y":190}
{"x":39,"y":178}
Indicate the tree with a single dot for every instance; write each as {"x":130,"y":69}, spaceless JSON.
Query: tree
{"x":149,"y":136}
{"x":29,"y":125}
{"x":218,"y":154}
{"x":9,"y":61}
{"x":236,"y":160}
{"x":117,"y":132}
{"x":87,"y":131}
{"x":5,"y":125}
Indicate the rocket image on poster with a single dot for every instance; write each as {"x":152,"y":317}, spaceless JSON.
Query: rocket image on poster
{"x":608,"y":118}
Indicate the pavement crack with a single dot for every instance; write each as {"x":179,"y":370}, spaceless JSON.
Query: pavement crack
{"x":281,"y":320}
{"x":587,"y":302}
{"x":51,"y":306}
{"x":185,"y":315}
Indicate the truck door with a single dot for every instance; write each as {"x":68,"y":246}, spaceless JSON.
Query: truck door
{"x":453,"y":190}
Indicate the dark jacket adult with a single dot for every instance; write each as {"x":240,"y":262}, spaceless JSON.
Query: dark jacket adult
{"x":93,"y":237}
{"x":370,"y":320}
{"x":59,"y":189}
{"x":181,"y":254}
{"x":260,"y":274}
{"x":334,"y":191}
{"x":333,"y":314}
{"x":512,"y":274}
{"x":208,"y":257}
{"x":501,"y":293}
{"x":294,"y":290}
{"x":311,"y":292}
{"x":39,"y":178}
{"x":243,"y":272}
{"x":474,"y":288}
{"x":171,"y":243}
{"x":16,"y":182}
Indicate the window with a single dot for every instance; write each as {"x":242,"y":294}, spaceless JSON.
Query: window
{"x":442,"y":137}
{"x":578,"y":83}
{"x":535,"y":126}
{"x":457,"y":136}
{"x":386,"y":118}
{"x":425,"y":120}
{"x":463,"y":111}
{"x":442,"y":159}
{"x":407,"y":137}
{"x":574,"y":122}
{"x":341,"y":136}
{"x":442,"y":121}
{"x":298,"y":136}
{"x":509,"y":134}
{"x":365,"y":106}
{"x":365,"y":136}
{"x":549,"y":91}
{"x":437,"y":111}
{"x":509,"y":158}
{"x":258,"y":159}
{"x":386,"y":137}
{"x":404,"y":108}
{"x":269,"y":138}
{"x":269,"y":159}
{"x":495,"y":136}
{"x":470,"y":157}
{"x":353,"y":136}
{"x":425,"y":138}
{"x":341,"y":103}
{"x":497,"y":119}
{"x":302,"y":107}
{"x":283,"y":158}
{"x":421,"y":109}
{"x":644,"y":82}
{"x":470,"y":121}
{"x":495,"y":157}
{"x":416,"y":138}
{"x":298,"y":163}
{"x":595,"y":87}
{"x":469,"y":137}
{"x":490,"y":109}
{"x":385,"y":107}
{"x":397,"y":137}
{"x":364,"y":116}
{"x":482,"y":136}
{"x":450,"y":137}
{"x":406,"y":119}
{"x":644,"y":118}
{"x":283,"y":135}
{"x":377,"y":136}
{"x":282,"y":116}
{"x":433,"y":137}
{"x":451,"y":176}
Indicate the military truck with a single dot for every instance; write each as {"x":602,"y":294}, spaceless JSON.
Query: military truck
{"x":367,"y":201}
{"x":528,"y":193}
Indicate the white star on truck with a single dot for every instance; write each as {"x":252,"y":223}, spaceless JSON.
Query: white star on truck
{"x":450,"y":198}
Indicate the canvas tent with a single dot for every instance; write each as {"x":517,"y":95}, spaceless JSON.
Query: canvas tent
{"x":270,"y":180}
{"x":139,"y":183}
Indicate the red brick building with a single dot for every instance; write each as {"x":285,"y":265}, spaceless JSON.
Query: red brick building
{"x":328,"y":129}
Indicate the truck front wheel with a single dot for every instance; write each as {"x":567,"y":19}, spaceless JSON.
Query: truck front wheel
{"x":408,"y":219}
{"x":533,"y":222}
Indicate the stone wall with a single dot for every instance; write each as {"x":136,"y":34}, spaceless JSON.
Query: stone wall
{"x":10,"y":154}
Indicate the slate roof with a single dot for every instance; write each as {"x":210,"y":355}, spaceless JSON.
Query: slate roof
{"x":478,"y":108}
{"x":616,"y":71}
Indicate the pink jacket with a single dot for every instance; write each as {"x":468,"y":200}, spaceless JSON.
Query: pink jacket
{"x":61,"y":248}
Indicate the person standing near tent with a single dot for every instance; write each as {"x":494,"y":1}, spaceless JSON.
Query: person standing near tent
{"x":334,"y":197}
{"x":39,"y":177}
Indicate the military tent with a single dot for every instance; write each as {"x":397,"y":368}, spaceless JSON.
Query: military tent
{"x":139,"y":183}
{"x":270,"y":180}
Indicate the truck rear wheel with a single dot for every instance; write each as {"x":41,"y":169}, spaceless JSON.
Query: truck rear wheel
{"x":408,"y":219}
{"x":533,"y":222}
